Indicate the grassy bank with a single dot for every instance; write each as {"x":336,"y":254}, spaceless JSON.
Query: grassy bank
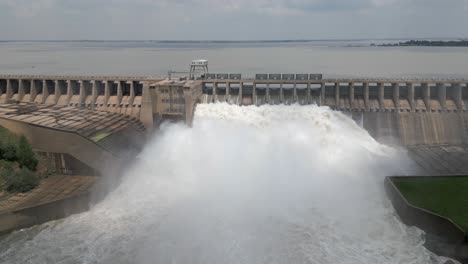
{"x":446,"y":196}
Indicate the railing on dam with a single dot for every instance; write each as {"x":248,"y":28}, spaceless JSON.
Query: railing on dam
{"x":412,"y":95}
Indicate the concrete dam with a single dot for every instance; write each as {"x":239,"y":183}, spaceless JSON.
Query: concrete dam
{"x":421,"y":114}
{"x":406,"y":112}
{"x":85,"y":120}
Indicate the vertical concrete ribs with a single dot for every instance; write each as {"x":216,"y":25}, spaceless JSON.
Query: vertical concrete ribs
{"x":154,"y":100}
{"x":113,"y":94}
{"x":355,"y":95}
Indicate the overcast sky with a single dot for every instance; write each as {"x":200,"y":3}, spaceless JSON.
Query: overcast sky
{"x":231,"y":19}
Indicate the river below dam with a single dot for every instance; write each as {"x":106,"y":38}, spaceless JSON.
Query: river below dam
{"x":269,"y":184}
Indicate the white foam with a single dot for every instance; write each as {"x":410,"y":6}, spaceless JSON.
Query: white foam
{"x":270,"y":184}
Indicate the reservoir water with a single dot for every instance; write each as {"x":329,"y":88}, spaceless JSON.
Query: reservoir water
{"x":332,"y":58}
{"x":269,"y":184}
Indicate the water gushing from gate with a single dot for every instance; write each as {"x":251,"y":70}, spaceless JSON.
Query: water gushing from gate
{"x":269,"y":184}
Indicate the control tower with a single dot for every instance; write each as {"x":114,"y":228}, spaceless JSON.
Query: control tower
{"x":198,"y":67}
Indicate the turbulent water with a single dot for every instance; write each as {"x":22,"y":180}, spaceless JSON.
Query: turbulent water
{"x":269,"y":184}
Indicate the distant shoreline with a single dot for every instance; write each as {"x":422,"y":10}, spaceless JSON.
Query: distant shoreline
{"x":346,"y":43}
{"x":198,"y":41}
{"x":169,"y":41}
{"x":426,"y":43}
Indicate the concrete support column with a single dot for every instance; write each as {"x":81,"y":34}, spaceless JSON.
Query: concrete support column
{"x":456,"y":94}
{"x":442,"y":94}
{"x":254,"y":93}
{"x":410,"y":88}
{"x":56,"y":91}
{"x":295,"y":93}
{"x":69,"y":91}
{"x":228,"y":89}
{"x":132,"y":93}
{"x":33,"y":90}
{"x":146,"y":114}
{"x":119,"y":91}
{"x":366,"y":95}
{"x":82,"y":93}
{"x":9,"y":90}
{"x":268,"y":93}
{"x":189,"y":107}
{"x":426,"y":91}
{"x":351,"y":94}
{"x":241,"y":84}
{"x":308,"y":94}
{"x":281,"y":93}
{"x":337,"y":95}
{"x":45,"y":91}
{"x":214,"y":89}
{"x":322,"y":94}
{"x":380,"y":91}
{"x":132,"y":89}
{"x":93,"y":94}
{"x":94,"y":91}
{"x":20,"y":90}
{"x":107,"y":93}
{"x":396,"y":95}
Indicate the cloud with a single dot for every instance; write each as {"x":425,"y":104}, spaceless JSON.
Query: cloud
{"x":230,"y":19}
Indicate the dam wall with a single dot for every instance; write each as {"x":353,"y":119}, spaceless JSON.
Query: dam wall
{"x":412,"y":129}
{"x":407,"y":112}
{"x":356,"y":95}
{"x":404,"y":111}
{"x":121,"y":95}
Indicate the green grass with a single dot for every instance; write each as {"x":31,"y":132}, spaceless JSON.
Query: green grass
{"x":445,"y":196}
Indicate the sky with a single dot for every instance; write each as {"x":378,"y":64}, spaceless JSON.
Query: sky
{"x":231,"y":19}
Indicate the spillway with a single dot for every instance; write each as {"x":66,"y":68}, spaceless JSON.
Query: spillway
{"x":268,"y":184}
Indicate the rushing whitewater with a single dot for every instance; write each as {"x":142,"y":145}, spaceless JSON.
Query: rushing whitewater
{"x":269,"y":184}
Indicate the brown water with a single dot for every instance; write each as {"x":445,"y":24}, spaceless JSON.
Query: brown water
{"x":332,"y":58}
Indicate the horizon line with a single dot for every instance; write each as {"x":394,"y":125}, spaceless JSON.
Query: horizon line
{"x":229,"y":41}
